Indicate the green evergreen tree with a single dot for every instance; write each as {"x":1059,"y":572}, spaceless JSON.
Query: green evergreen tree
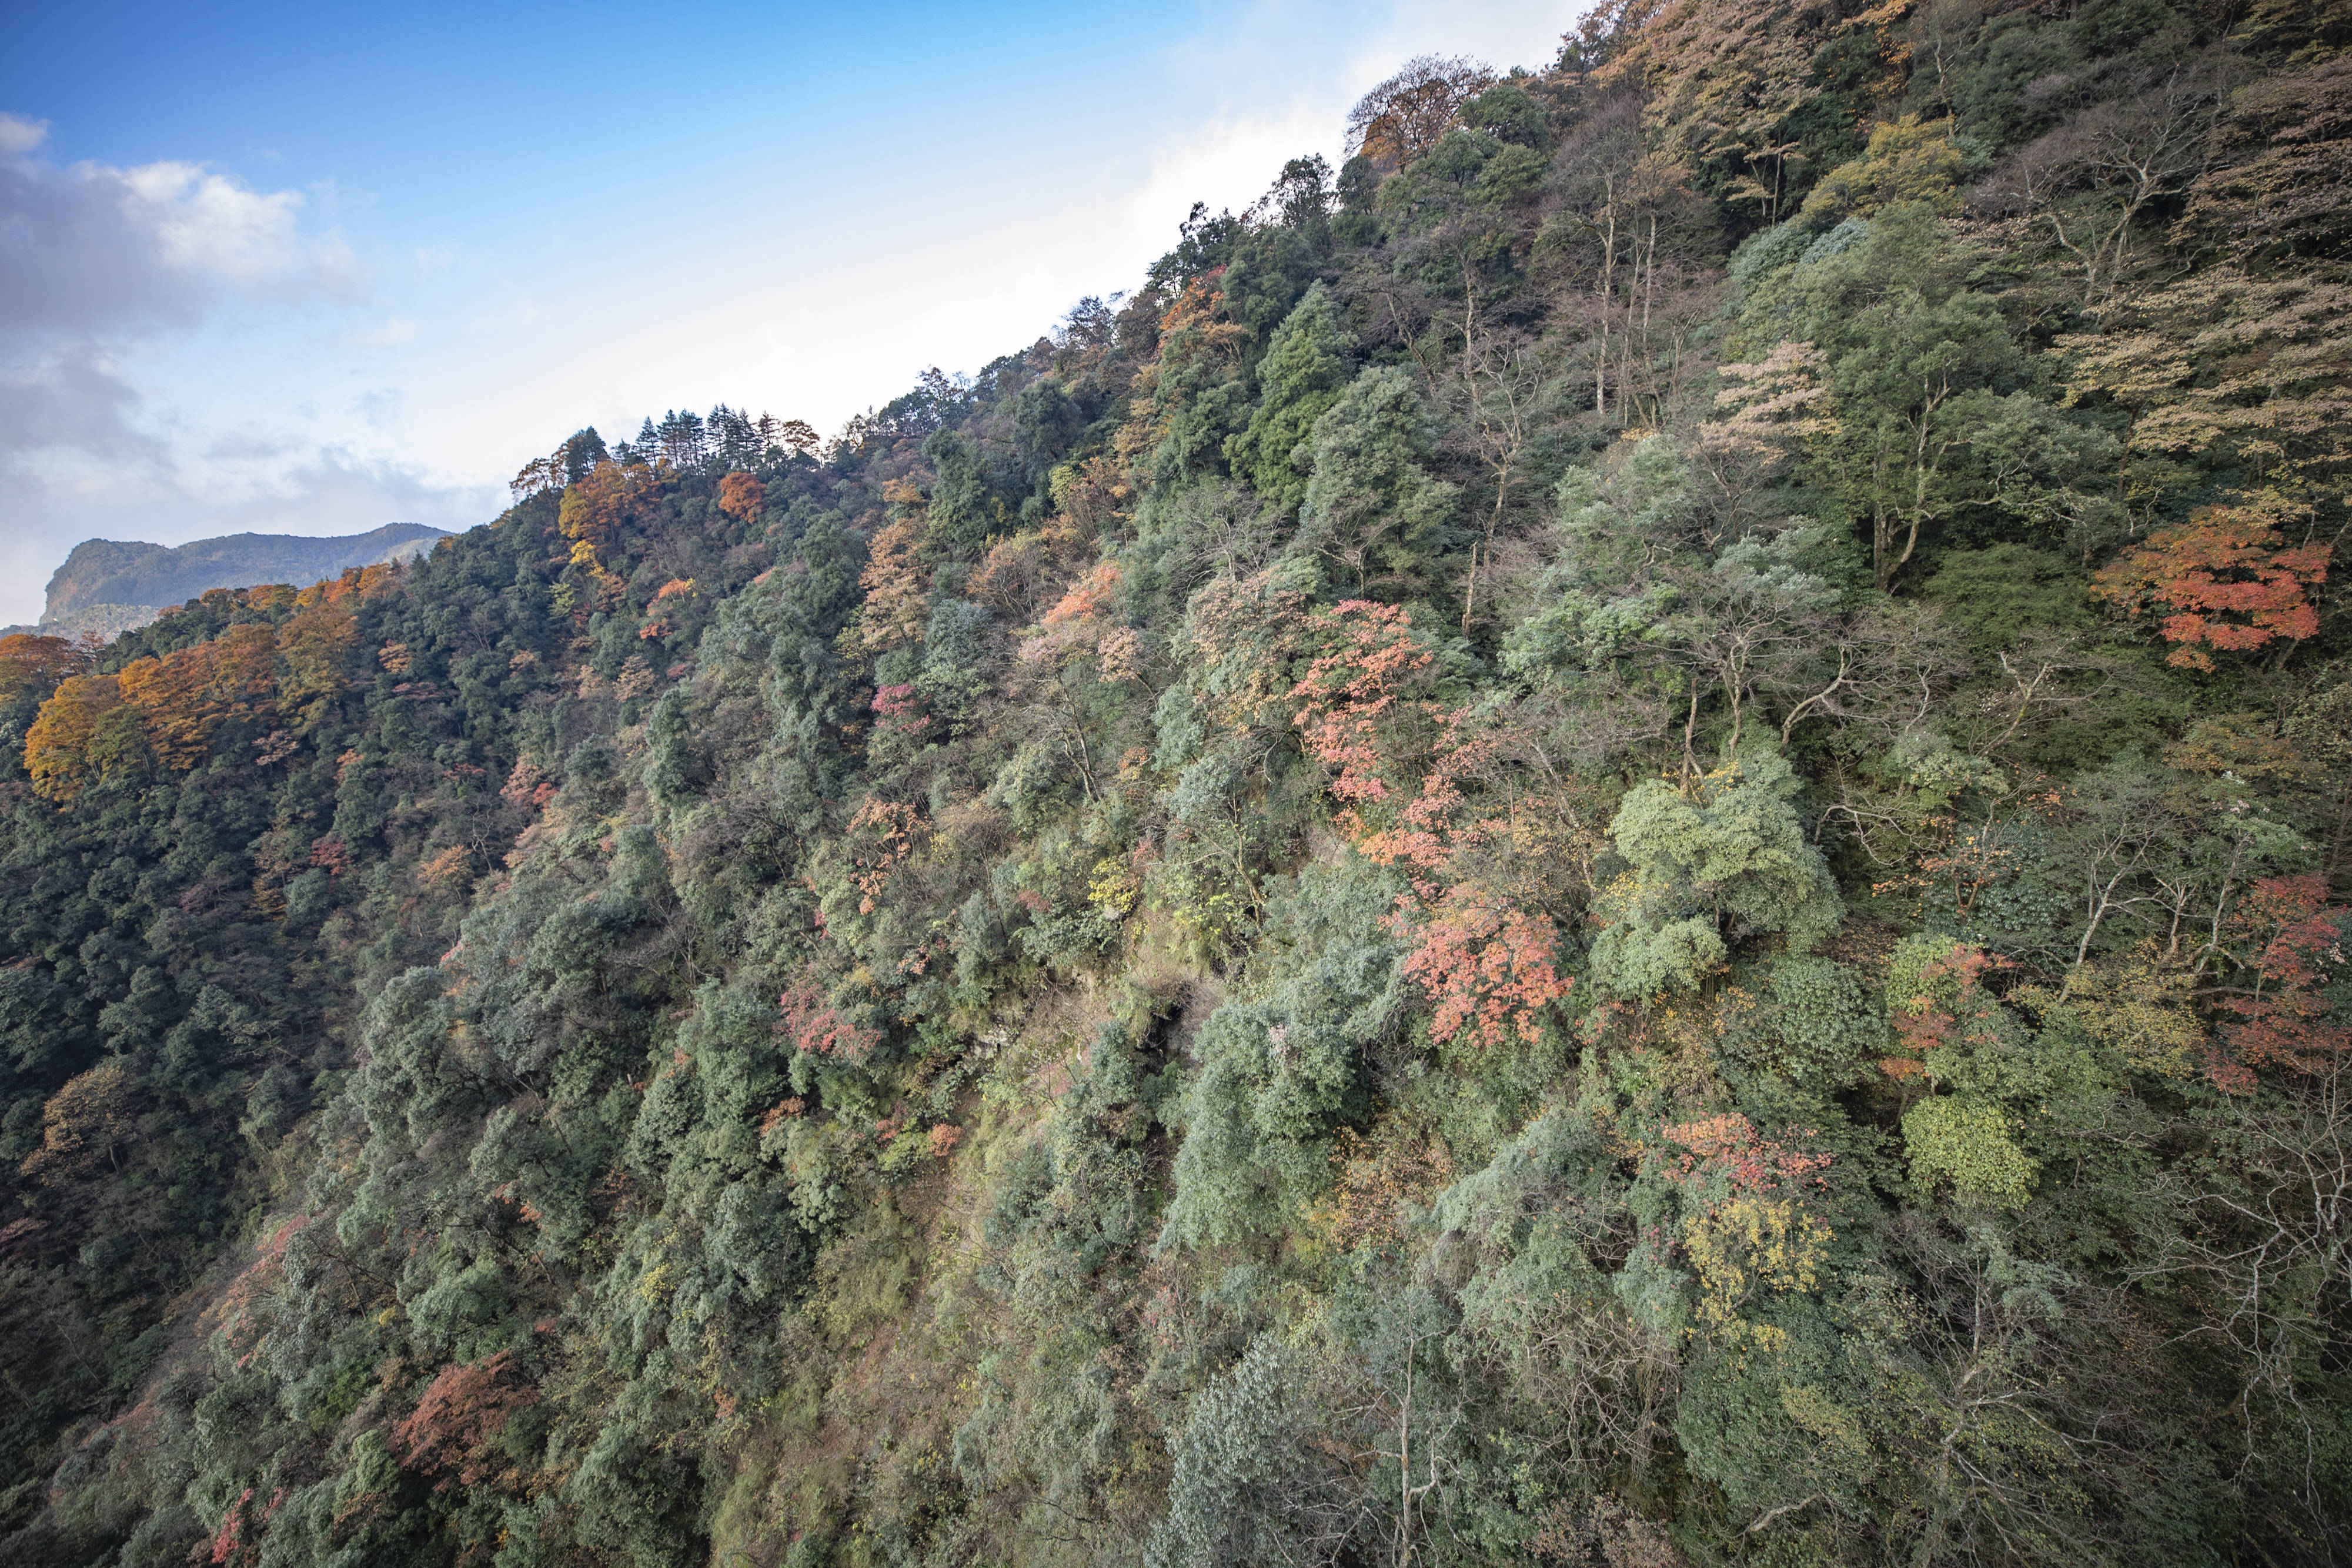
{"x":1371,"y":507}
{"x":1307,"y":367}
{"x":1715,"y":863}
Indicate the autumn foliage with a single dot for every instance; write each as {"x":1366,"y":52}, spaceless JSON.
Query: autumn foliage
{"x":884,"y":833}
{"x":1746,"y":1227}
{"x":1348,"y":698}
{"x":2225,"y":579}
{"x":2292,"y":944}
{"x":594,"y":510}
{"x":313,"y":642}
{"x":1488,"y":962}
{"x":897,"y":589}
{"x":1490,"y":968}
{"x":1248,"y":934}
{"x":160,"y":710}
{"x":812,"y":1023}
{"x":1403,"y":118}
{"x":1082,"y":627}
{"x":454,"y":1429}
{"x":86,"y":1123}
{"x":62,"y":750}
{"x":183,"y":697}
{"x":29,"y":660}
{"x":742,"y":496}
{"x":164,"y":711}
{"x":1950,"y":1006}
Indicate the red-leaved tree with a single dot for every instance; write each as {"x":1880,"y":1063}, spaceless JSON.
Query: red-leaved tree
{"x":453,"y":1430}
{"x":2227,"y":579}
{"x":1350,"y":694}
{"x":812,"y":1022}
{"x":2292,"y":944}
{"x":1488,"y":960}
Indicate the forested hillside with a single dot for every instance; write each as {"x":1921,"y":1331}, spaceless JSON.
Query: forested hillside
{"x":1619,"y":838}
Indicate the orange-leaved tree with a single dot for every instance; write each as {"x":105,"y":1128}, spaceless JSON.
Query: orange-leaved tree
{"x":1082,"y":627}
{"x":2227,"y":579}
{"x":742,"y":496}
{"x":1482,"y":859}
{"x":454,"y":1431}
{"x":65,"y":750}
{"x":87,"y":1119}
{"x":1937,"y":1004}
{"x":594,"y":510}
{"x":882,"y":835}
{"x":1349,"y":700}
{"x":814,"y":1023}
{"x":29,"y":659}
{"x":1403,"y":118}
{"x":186,"y":694}
{"x":1490,"y":968}
{"x":897,"y":589}
{"x":313,"y":642}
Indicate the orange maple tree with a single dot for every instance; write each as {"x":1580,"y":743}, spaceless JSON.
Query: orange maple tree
{"x":1083,"y":627}
{"x":594,"y":510}
{"x":88,"y":1119}
{"x":61,"y":750}
{"x":186,"y":694}
{"x":1922,"y":1022}
{"x":742,"y":496}
{"x":897,"y":589}
{"x":1351,"y":693}
{"x":1489,"y":967}
{"x":314,"y":642}
{"x":884,"y":833}
{"x":2227,"y":579}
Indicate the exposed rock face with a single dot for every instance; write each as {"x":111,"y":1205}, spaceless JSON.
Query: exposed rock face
{"x":105,"y":586}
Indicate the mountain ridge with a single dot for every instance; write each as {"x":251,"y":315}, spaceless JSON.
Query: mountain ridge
{"x":106,"y":583}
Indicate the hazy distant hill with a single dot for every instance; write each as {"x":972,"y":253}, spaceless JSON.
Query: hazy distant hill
{"x":105,"y":586}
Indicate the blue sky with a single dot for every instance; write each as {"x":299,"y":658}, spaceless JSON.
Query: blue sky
{"x":311,"y":269}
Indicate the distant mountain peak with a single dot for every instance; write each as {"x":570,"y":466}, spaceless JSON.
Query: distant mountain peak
{"x":107,"y":585}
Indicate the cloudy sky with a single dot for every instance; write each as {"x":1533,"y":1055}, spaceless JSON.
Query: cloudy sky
{"x":311,"y":270}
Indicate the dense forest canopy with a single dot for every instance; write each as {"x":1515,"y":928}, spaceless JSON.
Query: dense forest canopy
{"x":1618,"y":838}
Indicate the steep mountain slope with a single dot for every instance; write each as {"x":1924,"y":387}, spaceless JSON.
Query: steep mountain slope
{"x":1620,"y":839}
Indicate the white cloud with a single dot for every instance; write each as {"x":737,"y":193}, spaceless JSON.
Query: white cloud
{"x":108,"y":269}
{"x":75,"y":403}
{"x":207,"y":223}
{"x":19,"y":135}
{"x":96,"y":248}
{"x":379,"y":408}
